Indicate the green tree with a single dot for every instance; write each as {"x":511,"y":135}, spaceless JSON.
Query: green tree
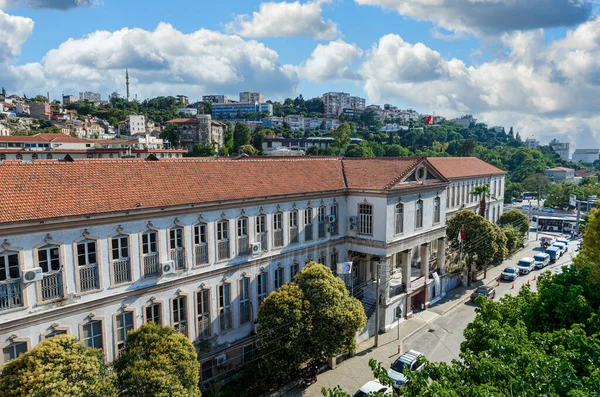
{"x":241,"y":136}
{"x":396,"y":151}
{"x":312,"y":151}
{"x":590,"y":250}
{"x":341,"y":135}
{"x":59,"y":366}
{"x":259,"y":137}
{"x":203,"y":151}
{"x":516,"y":219}
{"x":3,"y":91}
{"x":157,"y":362}
{"x":467,"y":149}
{"x":362,"y":149}
{"x":485,"y":193}
{"x":514,"y":238}
{"x":171,"y":134}
{"x":538,"y":183}
{"x":317,"y":316}
{"x":479,"y":236}
{"x":248,"y":149}
{"x":40,"y":98}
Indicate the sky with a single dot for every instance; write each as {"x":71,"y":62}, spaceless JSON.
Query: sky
{"x":530,"y":64}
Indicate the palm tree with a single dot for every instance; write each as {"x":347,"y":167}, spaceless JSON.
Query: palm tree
{"x":484,"y":192}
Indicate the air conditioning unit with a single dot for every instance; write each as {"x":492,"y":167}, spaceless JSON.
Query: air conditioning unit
{"x":220,"y":360}
{"x":256,"y":248}
{"x":331,"y":218}
{"x":168,"y":267}
{"x":31,"y":275}
{"x":353,"y":220}
{"x":353,"y":226}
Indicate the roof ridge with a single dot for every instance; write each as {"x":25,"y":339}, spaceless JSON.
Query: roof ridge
{"x":403,"y":174}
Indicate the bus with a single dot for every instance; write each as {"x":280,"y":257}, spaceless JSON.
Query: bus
{"x":529,"y":195}
{"x":556,"y":224}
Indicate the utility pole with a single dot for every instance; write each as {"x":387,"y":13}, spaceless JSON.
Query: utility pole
{"x":377,"y":308}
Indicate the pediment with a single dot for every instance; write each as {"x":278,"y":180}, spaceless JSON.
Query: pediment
{"x":421,"y":174}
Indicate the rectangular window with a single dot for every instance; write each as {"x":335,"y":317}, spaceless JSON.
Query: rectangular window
{"x":154,"y":313}
{"x":242,"y":236}
{"x":55,"y":333}
{"x":365,"y":219}
{"x":261,"y":231}
{"x":92,"y":335}
{"x":294,"y":269}
{"x":223,"y":240}
{"x":308,"y":224}
{"x":225,"y":315}
{"x":49,"y":261}
{"x":203,"y":300}
{"x":177,"y":248}
{"x":14,"y":350}
{"x":419,"y":214}
{"x":262,"y":287}
{"x":245,"y":309}
{"x":150,"y":253}
{"x":335,"y":224}
{"x":120,"y":259}
{"x":322,"y":259}
{"x":88,"y":266}
{"x":180,"y":314}
{"x":124,"y":325}
{"x":436,"y":210}
{"x":201,"y":244}
{"x":278,"y":229}
{"x":447,"y":197}
{"x":334,"y":261}
{"x":399,"y":218}
{"x":293,"y":227}
{"x":453,"y":196}
{"x":11,"y":294}
{"x":321,"y":213}
{"x":279,"y":277}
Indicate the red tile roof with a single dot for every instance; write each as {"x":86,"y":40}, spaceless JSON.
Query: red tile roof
{"x":586,"y":173}
{"x":44,"y":138}
{"x":560,"y":169}
{"x":377,"y":174}
{"x":463,"y":167}
{"x":183,"y":121}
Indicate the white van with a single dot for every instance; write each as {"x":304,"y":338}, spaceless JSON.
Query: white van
{"x":525,"y":265}
{"x":541,"y":260}
{"x":565,"y":242}
{"x":561,"y":246}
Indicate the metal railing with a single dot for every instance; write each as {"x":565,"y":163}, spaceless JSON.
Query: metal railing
{"x":262,"y":237}
{"x":121,"y":271}
{"x":225,"y":319}
{"x":201,"y":254}
{"x":203,"y":326}
{"x":308,"y":232}
{"x":151,"y":265}
{"x":178,"y":256}
{"x":294,"y":235}
{"x":88,"y":277}
{"x":52,"y":286}
{"x":322,"y":229}
{"x":278,"y":238}
{"x":243,"y":245}
{"x":245,"y":312}
{"x":182,"y":329}
{"x":11,"y":295}
{"x":223,"y":250}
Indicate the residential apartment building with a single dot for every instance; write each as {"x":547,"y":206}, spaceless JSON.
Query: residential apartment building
{"x":532,"y":143}
{"x":295,"y":122}
{"x":233,"y":111}
{"x":560,"y":174}
{"x":252,"y":97}
{"x":90,"y":96}
{"x":215,"y":98}
{"x":465,"y":121}
{"x":134,"y":125}
{"x":68,"y":99}
{"x":197,"y":245}
{"x":562,"y":148}
{"x":60,"y":146}
{"x":200,"y":130}
{"x":586,"y":155}
{"x":184,"y":100}
{"x":40,"y":110}
{"x":336,"y":102}
{"x":274,"y":146}
{"x":464,"y":174}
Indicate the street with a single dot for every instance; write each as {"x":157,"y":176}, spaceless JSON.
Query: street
{"x":436,"y":332}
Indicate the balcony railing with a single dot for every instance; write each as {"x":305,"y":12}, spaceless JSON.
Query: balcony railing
{"x":322,"y":229}
{"x":181,"y":328}
{"x":294,"y":235}
{"x":52,"y":286}
{"x":262,"y":237}
{"x":201,"y":254}
{"x":223,"y":250}
{"x":243,"y":245}
{"x":88,"y":277}
{"x":151,"y":265}
{"x":178,"y":256}
{"x":245,"y":312}
{"x":203,"y":326}
{"x":11,"y":295}
{"x":308,"y":232}
{"x":121,"y":270}
{"x":278,"y":238}
{"x":225,"y":319}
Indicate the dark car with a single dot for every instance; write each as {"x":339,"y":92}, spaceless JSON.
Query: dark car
{"x":488,"y":292}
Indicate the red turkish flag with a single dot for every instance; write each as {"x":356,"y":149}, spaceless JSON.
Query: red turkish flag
{"x":429,"y":120}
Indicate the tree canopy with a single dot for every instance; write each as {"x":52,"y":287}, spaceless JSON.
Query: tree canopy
{"x":590,"y":250}
{"x":480,"y":235}
{"x":241,"y":136}
{"x":517,"y":219}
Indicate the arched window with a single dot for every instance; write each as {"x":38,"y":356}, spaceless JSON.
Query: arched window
{"x":34,"y":156}
{"x":19,"y":156}
{"x":243,"y":245}
{"x":399,"y":218}
{"x":365,"y":218}
{"x":49,"y":156}
{"x":278,"y":229}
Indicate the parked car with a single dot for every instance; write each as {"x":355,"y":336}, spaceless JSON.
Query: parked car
{"x":408,"y":360}
{"x":526,"y":265}
{"x":561,"y":247}
{"x":509,"y":273}
{"x":546,"y":242}
{"x":488,"y":292}
{"x":372,"y":386}
{"x":565,"y":242}
{"x":549,"y":210}
{"x":554,"y":253}
{"x":541,"y":260}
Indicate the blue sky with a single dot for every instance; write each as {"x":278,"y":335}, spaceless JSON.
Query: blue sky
{"x":532,"y":64}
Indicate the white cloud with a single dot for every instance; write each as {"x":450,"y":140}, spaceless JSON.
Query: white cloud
{"x":47,"y":4}
{"x":285,"y":20}
{"x":14,"y":31}
{"x":161,"y":62}
{"x":542,"y":89}
{"x":490,"y":17}
{"x":331,"y":61}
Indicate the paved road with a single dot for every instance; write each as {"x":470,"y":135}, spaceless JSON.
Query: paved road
{"x":446,"y":320}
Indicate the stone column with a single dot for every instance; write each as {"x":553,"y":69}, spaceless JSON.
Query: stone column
{"x":425,"y":269}
{"x":384,"y":277}
{"x":406,"y":258}
{"x":441,"y":252}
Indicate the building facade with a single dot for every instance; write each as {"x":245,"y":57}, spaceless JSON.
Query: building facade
{"x":200,"y":130}
{"x":252,"y":97}
{"x":90,"y":96}
{"x":586,"y":155}
{"x":40,"y":110}
{"x":215,"y":98}
{"x":532,"y":143}
{"x":336,"y":102}
{"x":134,"y":125}
{"x":68,"y":99}
{"x":562,"y":148}
{"x":274,"y":146}
{"x":232,"y":111}
{"x":560,"y":174}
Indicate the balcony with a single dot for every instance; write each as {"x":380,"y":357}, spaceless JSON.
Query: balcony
{"x":88,"y":278}
{"x":151,"y":265}
{"x":203,"y":326}
{"x":278,"y":238}
{"x":294,"y":235}
{"x":243,"y":245}
{"x":121,"y":271}
{"x":11,"y":295}
{"x":321,"y":229}
{"x":225,"y":319}
{"x":52,"y":286}
{"x":223,"y":250}
{"x":201,"y":254}
{"x":262,"y":237}
{"x":181,"y":328}
{"x":178,"y":256}
{"x":245,"y":312}
{"x":308,"y":232}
